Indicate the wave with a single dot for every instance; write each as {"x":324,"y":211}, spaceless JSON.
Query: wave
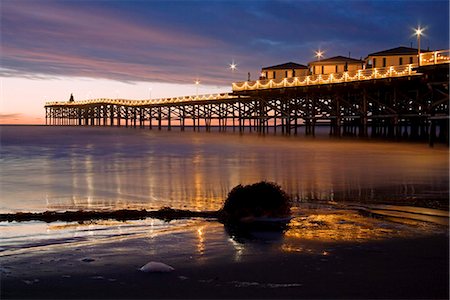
{"x":397,"y":212}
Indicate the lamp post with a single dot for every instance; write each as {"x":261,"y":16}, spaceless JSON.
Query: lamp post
{"x":419,"y":32}
{"x":319,"y":54}
{"x":197,"y":82}
{"x":233,"y":66}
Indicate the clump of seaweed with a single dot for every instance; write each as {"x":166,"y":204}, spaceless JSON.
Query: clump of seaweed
{"x":262,"y":201}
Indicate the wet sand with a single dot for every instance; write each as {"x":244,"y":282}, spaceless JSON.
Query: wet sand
{"x":209,"y":264}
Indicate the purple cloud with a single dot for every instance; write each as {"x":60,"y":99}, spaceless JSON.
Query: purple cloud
{"x":177,"y":41}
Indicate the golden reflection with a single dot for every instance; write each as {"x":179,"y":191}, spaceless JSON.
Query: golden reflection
{"x":201,"y":241}
{"x":291,"y":248}
{"x":87,"y":224}
{"x":198,"y":181}
{"x":89,"y":177}
{"x":337,"y":226}
{"x":74,"y":173}
{"x":201,"y":178}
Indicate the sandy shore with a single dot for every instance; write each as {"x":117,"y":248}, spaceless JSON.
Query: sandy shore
{"x":209,"y":264}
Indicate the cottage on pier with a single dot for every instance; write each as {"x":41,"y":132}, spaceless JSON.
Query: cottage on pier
{"x":336,"y":64}
{"x":287,"y":70}
{"x":393,"y":57}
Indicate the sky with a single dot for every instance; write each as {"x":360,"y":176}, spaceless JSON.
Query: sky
{"x":154,"y":49}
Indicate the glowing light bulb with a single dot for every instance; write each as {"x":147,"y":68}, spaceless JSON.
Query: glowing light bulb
{"x":319,"y":54}
{"x":419,"y":31}
{"x":233,"y":66}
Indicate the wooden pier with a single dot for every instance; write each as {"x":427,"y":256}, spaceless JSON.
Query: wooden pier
{"x":395,"y":102}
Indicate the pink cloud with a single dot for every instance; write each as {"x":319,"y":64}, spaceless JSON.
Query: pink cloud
{"x":93,"y":25}
{"x":51,"y":39}
{"x":58,"y":62}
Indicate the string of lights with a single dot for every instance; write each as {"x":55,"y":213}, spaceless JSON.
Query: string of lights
{"x":428,"y":58}
{"x":367,"y":74}
{"x":144,"y":102}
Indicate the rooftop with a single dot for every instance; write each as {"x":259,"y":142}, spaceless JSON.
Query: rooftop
{"x":337,"y":59}
{"x":397,"y":51}
{"x":288,"y":65}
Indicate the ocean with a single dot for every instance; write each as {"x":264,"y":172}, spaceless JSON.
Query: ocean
{"x":51,"y":168}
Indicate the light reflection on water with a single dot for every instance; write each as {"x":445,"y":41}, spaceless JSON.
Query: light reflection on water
{"x":48,"y":168}
{"x":18,"y":237}
{"x":339,"y":226}
{"x":62,"y":168}
{"x":312,"y":231}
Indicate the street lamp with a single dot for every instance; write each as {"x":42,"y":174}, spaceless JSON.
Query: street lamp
{"x":418,"y":31}
{"x":319,"y":54}
{"x":197,"y":82}
{"x":233,"y":66}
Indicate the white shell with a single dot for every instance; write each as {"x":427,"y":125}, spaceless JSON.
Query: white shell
{"x":156,"y":267}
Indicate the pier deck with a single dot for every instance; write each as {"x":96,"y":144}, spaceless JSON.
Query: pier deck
{"x":396,"y":101}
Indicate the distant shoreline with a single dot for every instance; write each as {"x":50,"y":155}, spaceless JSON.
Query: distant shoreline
{"x":23,"y":125}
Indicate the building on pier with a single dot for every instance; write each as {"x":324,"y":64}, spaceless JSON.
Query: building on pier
{"x":286,"y":70}
{"x":336,"y":64}
{"x":393,"y":57}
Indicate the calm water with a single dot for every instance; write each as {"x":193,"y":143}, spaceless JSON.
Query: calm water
{"x":65,"y":168}
{"x":71,"y":168}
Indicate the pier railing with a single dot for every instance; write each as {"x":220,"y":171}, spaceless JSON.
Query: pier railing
{"x":436,"y":57}
{"x":350,"y":76}
{"x":128,"y":102}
